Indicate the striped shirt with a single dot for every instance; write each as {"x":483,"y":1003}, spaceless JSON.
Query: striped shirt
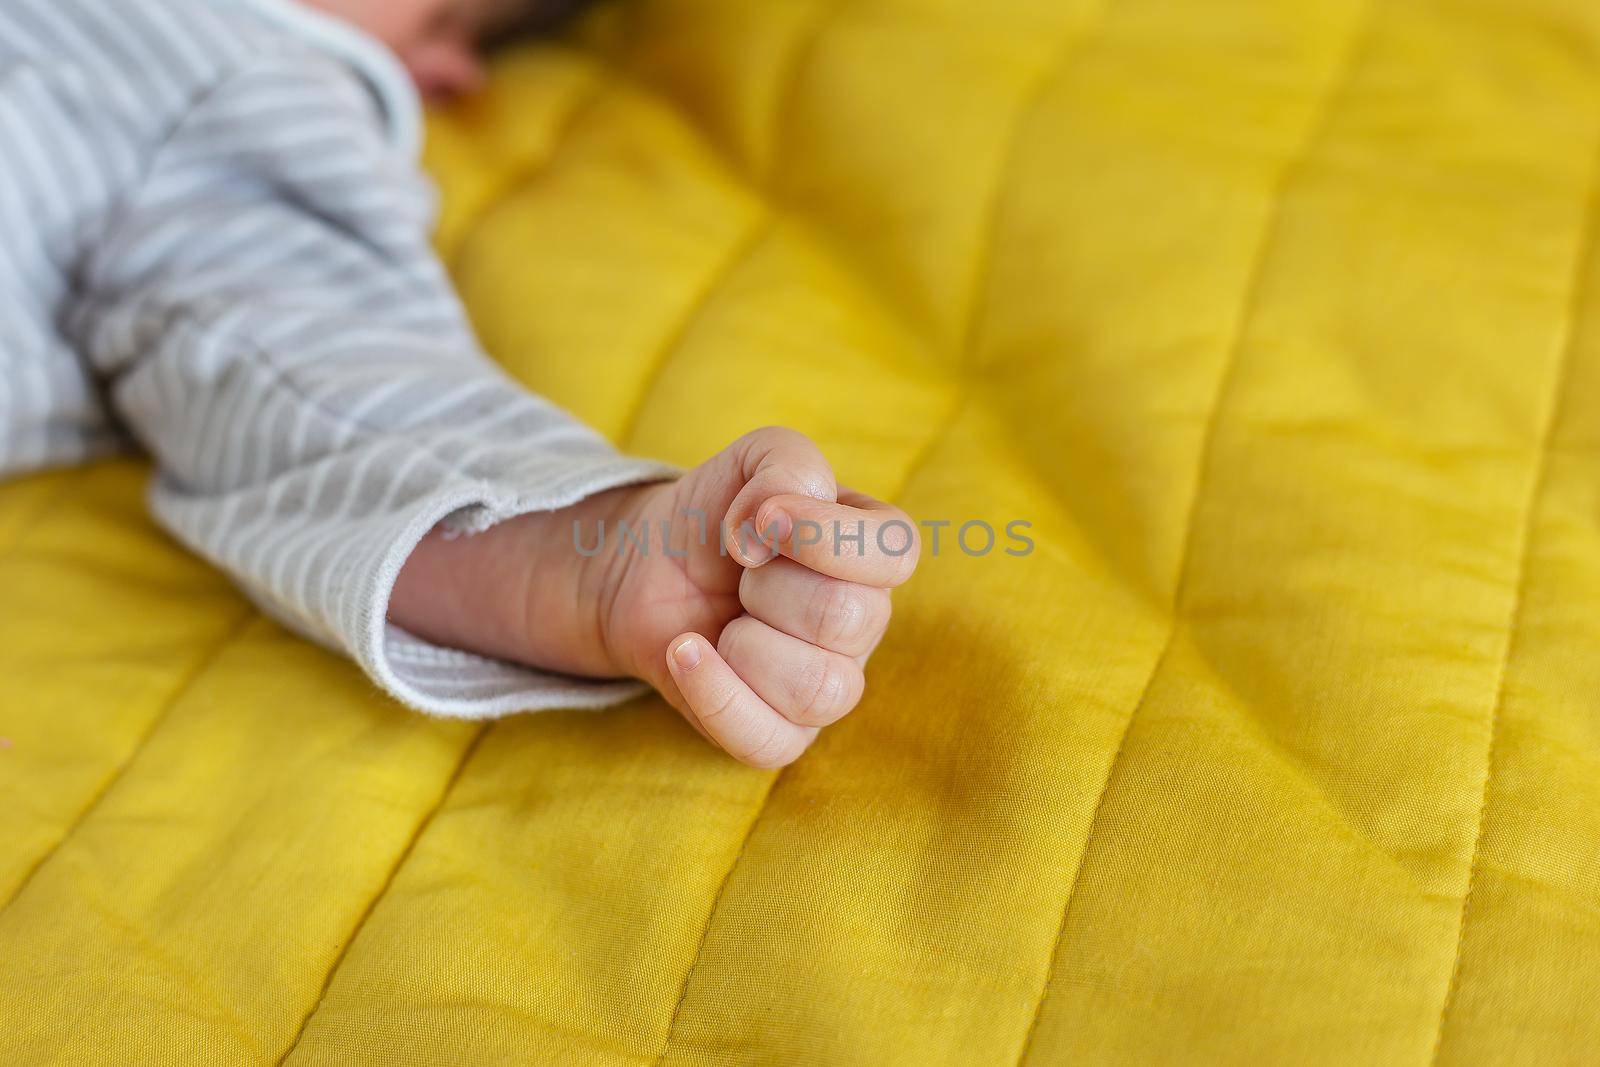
{"x":217,"y":245}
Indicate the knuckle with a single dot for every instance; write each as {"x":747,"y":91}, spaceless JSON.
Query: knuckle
{"x":879,"y":610}
{"x":904,"y":564}
{"x":784,"y":461}
{"x":809,"y":482}
{"x":772,"y":433}
{"x":914,"y":553}
{"x":839,"y":615}
{"x":718,"y":705}
{"x":785,"y":437}
{"x":771,"y":752}
{"x":761,"y":439}
{"x":733,"y":636}
{"x":824,"y":691}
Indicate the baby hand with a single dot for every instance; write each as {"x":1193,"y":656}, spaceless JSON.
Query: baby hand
{"x":761,"y":591}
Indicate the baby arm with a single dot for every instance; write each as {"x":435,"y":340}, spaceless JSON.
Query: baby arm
{"x":275,"y":329}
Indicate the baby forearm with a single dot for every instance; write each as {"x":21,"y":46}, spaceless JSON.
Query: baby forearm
{"x":519,"y":591}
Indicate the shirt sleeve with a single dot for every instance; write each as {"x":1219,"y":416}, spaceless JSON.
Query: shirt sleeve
{"x":277,"y":331}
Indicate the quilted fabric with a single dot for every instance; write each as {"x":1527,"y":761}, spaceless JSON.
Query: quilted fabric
{"x":1279,"y":323}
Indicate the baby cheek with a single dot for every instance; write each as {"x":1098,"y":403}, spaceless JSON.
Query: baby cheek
{"x":443,"y":70}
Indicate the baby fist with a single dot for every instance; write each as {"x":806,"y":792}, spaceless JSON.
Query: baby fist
{"x":780,"y":611}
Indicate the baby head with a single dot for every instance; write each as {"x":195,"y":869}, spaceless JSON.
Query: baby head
{"x":441,"y":41}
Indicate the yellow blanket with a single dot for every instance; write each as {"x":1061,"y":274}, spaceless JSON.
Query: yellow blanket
{"x":1280,"y":323}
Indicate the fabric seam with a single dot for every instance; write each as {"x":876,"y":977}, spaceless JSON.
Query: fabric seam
{"x":186,"y":683}
{"x":1343,"y":75}
{"x":1583,"y":272}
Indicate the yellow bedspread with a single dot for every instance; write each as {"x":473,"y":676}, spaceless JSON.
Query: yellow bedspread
{"x":1280,"y":322}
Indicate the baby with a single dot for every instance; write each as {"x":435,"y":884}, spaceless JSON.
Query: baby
{"x":217,"y":245}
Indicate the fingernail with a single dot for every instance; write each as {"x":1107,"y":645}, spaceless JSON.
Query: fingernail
{"x":777,"y":526}
{"x":687,"y":654}
{"x":756,"y":554}
{"x":754,"y":543}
